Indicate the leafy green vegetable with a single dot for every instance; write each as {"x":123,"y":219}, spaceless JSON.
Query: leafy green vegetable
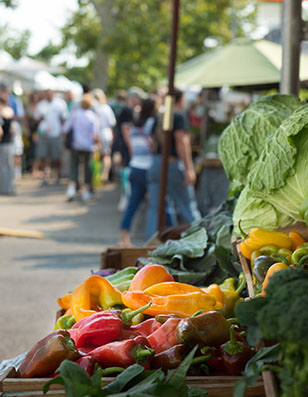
{"x":282,"y":316}
{"x":254,"y":368}
{"x":214,"y":262}
{"x":134,"y":381}
{"x":272,"y":168}
{"x":242,"y":143}
{"x":191,"y":245}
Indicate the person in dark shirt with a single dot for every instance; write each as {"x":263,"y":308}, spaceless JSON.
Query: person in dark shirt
{"x":181,"y":173}
{"x":124,"y":124}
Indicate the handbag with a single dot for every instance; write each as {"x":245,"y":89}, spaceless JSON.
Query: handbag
{"x":68,"y":143}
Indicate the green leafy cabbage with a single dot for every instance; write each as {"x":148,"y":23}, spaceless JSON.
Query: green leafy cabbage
{"x":276,"y":183}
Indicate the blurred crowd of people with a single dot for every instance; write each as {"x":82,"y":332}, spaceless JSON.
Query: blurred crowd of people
{"x":88,"y":130}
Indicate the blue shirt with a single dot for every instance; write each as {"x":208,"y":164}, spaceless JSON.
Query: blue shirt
{"x":141,"y":145}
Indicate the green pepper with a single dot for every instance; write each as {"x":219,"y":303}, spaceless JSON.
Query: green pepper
{"x":286,"y":253}
{"x":65,"y":322}
{"x":261,"y":266}
{"x":231,"y":289}
{"x":254,"y":256}
{"x":298,"y":254}
{"x":122,"y":279}
{"x":269,"y":250}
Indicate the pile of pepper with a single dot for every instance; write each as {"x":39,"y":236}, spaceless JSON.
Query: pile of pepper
{"x":154,"y":321}
{"x":271,"y":251}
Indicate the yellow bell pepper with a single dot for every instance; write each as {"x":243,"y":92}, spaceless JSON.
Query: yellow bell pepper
{"x":170,"y":288}
{"x":95,"y":290}
{"x":215,"y":291}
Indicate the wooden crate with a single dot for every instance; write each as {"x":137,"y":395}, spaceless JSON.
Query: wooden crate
{"x":270,"y":383}
{"x":216,"y":386}
{"x":119,"y":258}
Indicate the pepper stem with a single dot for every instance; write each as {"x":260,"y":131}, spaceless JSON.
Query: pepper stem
{"x":233,"y":346}
{"x":141,"y":353}
{"x":302,"y":261}
{"x":198,"y":312}
{"x":208,"y":354}
{"x":112,"y":370}
{"x":127,"y":317}
{"x":282,"y":258}
{"x":243,"y":234}
{"x":242,"y":284}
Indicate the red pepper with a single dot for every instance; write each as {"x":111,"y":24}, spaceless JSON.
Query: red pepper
{"x":123,"y":353}
{"x":216,"y":362}
{"x":103,"y":327}
{"x":165,"y":336}
{"x":145,"y":328}
{"x":87,"y":363}
{"x":235,"y":353}
{"x":47,"y":354}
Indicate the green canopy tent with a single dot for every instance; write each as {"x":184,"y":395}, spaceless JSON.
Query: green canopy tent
{"x":243,"y":62}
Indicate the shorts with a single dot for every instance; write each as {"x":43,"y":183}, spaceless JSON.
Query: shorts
{"x":49,"y":147}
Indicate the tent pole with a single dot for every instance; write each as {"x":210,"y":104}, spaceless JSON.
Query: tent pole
{"x":291,"y":44}
{"x":168,"y":117}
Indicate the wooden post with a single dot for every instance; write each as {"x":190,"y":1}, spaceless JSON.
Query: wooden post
{"x":168,"y":117}
{"x":291,"y":45}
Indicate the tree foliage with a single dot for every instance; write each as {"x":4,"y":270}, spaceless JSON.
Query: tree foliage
{"x":135,"y":35}
{"x":15,"y":42}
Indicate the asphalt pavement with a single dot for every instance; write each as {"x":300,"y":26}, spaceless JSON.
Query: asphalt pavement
{"x":34,"y":272}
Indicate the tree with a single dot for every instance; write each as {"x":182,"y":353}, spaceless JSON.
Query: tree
{"x":127,"y":42}
{"x":13,"y":41}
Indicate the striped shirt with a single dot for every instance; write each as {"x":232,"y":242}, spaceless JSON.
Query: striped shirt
{"x":141,"y":145}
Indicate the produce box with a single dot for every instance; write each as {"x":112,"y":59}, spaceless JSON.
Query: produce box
{"x":216,"y":386}
{"x":270,"y":383}
{"x":119,"y":258}
{"x":300,"y":228}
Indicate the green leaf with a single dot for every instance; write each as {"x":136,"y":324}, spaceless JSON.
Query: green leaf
{"x":177,"y":377}
{"x":148,"y":383}
{"x":191,"y":246}
{"x":123,"y":379}
{"x":246,"y":313}
{"x":254,"y":368}
{"x":75,"y":380}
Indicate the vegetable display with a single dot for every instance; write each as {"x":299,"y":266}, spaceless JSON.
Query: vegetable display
{"x":156,"y":323}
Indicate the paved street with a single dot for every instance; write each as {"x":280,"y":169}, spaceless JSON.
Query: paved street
{"x":35,"y":272}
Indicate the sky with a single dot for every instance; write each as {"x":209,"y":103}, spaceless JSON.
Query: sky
{"x":42,"y":17}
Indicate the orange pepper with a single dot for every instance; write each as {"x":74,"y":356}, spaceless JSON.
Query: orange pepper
{"x":297,"y":240}
{"x":96,"y":290}
{"x":65,"y":301}
{"x":276,"y":267}
{"x":245,"y":250}
{"x":215,"y":291}
{"x":183,"y":305}
{"x":170,"y":288}
{"x":149,"y":275}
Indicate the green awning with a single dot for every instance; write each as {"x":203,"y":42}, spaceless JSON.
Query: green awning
{"x":243,"y":62}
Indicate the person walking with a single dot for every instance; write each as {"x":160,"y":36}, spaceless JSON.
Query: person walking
{"x":181,"y":174}
{"x":6,"y":147}
{"x":51,"y":114}
{"x":107,"y":122}
{"x":141,"y":150}
{"x":85,"y":126}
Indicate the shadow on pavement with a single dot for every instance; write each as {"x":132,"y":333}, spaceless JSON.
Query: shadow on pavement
{"x":61,"y":261}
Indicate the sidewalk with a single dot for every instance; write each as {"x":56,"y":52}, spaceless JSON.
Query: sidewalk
{"x":35,"y":272}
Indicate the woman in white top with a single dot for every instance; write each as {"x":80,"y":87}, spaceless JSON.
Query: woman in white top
{"x":107,"y":122}
{"x":141,"y":145}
